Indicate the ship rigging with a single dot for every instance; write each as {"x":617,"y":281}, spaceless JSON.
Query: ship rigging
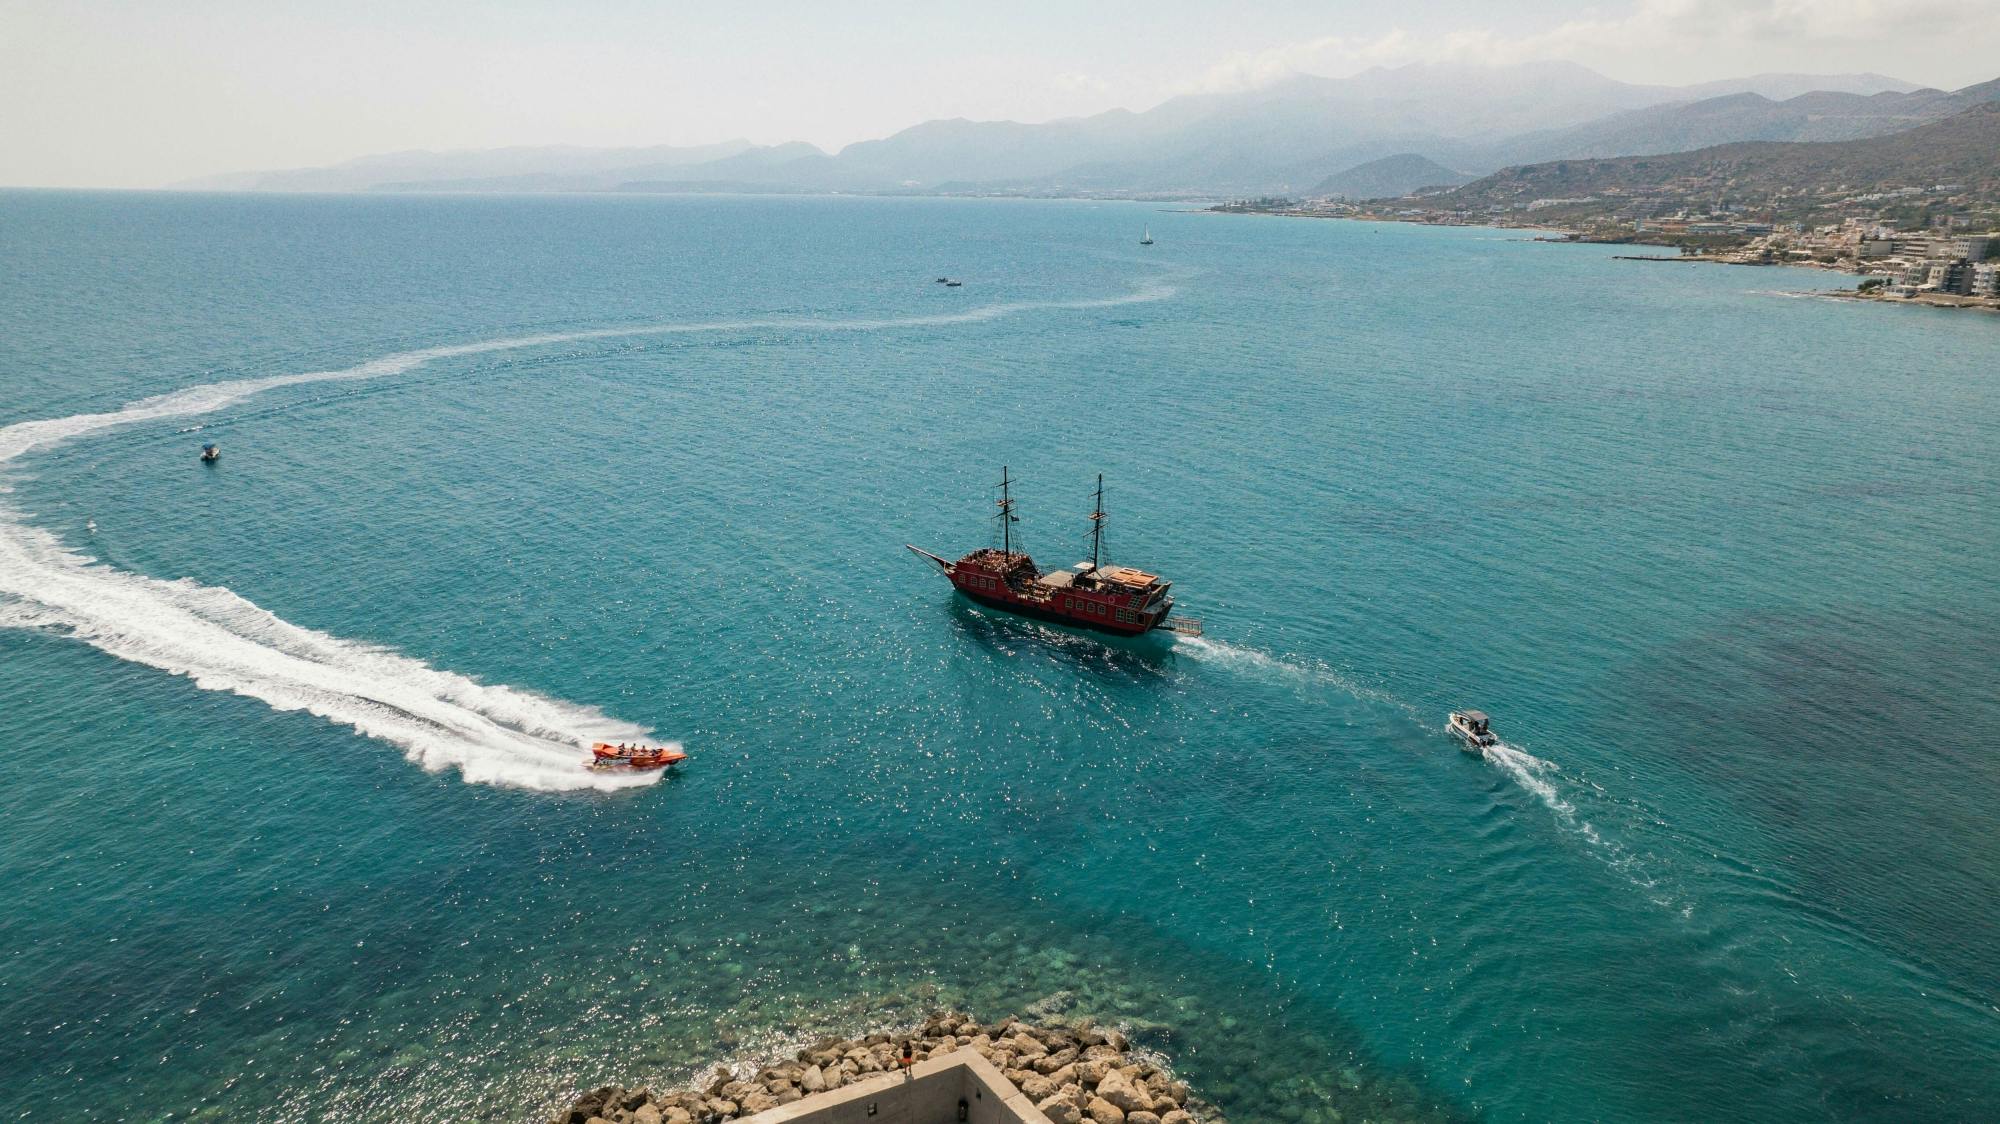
{"x":1116,"y":599}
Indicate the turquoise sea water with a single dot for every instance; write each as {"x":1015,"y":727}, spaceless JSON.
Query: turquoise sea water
{"x":292,"y":829}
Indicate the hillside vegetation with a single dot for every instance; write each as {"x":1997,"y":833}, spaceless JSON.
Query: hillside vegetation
{"x":1962,"y":150}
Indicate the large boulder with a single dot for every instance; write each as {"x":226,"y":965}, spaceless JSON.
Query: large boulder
{"x":1178,"y":1116}
{"x":1092,"y":1070}
{"x":674,"y":1115}
{"x":813,"y":1080}
{"x":1028,"y":1046}
{"x":1051,"y":1062}
{"x":1118,"y":1088}
{"x":1141,"y":1118}
{"x":1060,"y":1111}
{"x":647,"y":1114}
{"x":1038,"y":1087}
{"x":1104,"y":1112}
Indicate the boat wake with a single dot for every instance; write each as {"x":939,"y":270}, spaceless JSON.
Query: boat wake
{"x":1223,"y":654}
{"x":223,"y":642}
{"x":1541,"y":779}
{"x":1535,"y":776}
{"x":491,"y":734}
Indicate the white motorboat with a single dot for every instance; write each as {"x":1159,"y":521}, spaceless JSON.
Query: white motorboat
{"x":1473,"y":728}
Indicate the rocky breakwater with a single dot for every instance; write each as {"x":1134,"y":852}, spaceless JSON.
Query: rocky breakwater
{"x":1074,"y":1072}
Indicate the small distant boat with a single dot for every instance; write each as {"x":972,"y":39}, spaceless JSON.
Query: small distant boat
{"x":953,"y":284}
{"x":632,"y":757}
{"x":1147,"y":238}
{"x":210,"y":454}
{"x":944,"y":280}
{"x":1473,"y":728}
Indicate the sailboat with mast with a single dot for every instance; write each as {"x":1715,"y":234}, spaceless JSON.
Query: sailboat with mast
{"x":1147,"y":238}
{"x":1094,"y":595}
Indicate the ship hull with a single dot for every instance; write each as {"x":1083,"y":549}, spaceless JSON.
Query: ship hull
{"x":1055,"y":616}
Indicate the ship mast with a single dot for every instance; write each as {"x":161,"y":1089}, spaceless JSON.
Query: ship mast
{"x":1097,"y":525}
{"x":1006,"y":517}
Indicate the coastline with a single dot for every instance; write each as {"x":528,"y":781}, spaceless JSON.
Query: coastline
{"x":1877,"y":295}
{"x":1567,"y":236}
{"x":1928,"y":300}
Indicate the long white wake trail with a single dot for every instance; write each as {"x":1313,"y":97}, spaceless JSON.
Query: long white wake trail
{"x":1534,"y":775}
{"x":442,"y":720}
{"x":1540,"y":778}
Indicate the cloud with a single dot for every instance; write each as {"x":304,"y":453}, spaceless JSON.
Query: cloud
{"x":1666,"y":24}
{"x":1649,"y":30}
{"x":1080,"y":84}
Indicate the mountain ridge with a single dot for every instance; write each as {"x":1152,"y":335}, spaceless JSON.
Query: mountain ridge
{"x":1963,"y":150}
{"x":1390,"y":177}
{"x":1285,"y":136}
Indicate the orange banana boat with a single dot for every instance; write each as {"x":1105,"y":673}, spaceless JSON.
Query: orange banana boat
{"x":634,"y":756}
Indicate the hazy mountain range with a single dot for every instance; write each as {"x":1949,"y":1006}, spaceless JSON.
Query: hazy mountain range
{"x":1301,"y":134}
{"x":1962,"y":150}
{"x":1389,"y":177}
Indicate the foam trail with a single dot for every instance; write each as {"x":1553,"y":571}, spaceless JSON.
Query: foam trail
{"x":1539,"y":778}
{"x":1253,"y":662}
{"x":494,"y":735}
{"x":1532,"y":773}
{"x":24,"y":437}
{"x":442,"y":720}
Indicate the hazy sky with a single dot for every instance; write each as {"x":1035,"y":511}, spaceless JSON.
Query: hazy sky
{"x":134,"y":94}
